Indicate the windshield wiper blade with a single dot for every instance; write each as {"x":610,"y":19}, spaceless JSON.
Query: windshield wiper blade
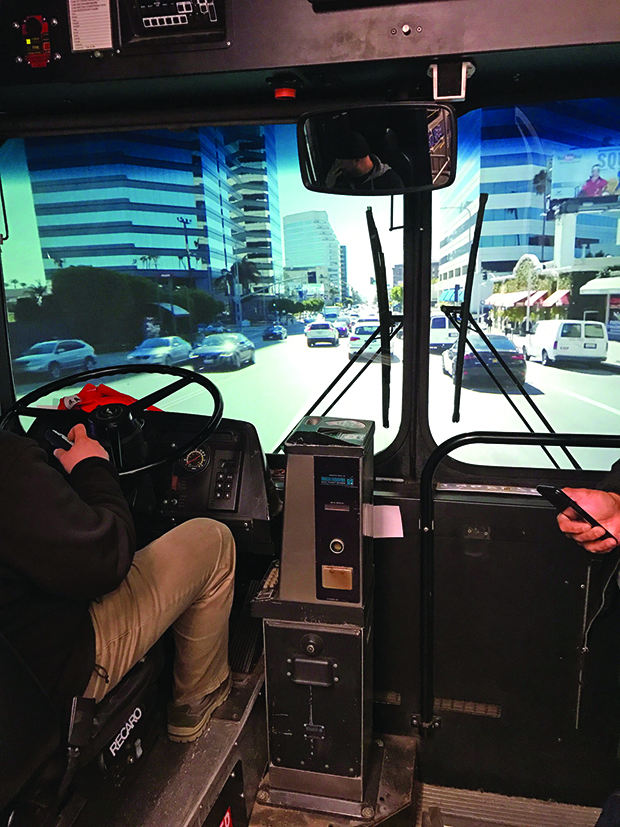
{"x":465,"y":311}
{"x":384,"y":314}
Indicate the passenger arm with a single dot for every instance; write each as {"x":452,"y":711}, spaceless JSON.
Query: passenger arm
{"x":604,"y":506}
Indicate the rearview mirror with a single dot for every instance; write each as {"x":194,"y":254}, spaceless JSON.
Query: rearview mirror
{"x":385,"y":149}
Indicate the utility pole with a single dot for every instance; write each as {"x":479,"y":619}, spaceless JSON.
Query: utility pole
{"x":185,"y":222}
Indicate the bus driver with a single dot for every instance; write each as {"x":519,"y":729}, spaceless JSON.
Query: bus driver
{"x":81,"y":606}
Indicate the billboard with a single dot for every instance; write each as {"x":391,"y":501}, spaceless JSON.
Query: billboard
{"x":586,"y":172}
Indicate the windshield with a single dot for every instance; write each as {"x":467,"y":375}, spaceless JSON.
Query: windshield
{"x":219,"y":340}
{"x":123,"y":240}
{"x":364,"y":330}
{"x":44,"y":347}
{"x":151,"y":343}
{"x":549,"y":251}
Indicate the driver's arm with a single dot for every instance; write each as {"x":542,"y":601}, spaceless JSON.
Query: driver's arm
{"x":72,"y":537}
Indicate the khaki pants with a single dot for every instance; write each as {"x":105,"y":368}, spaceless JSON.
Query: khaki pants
{"x":185,"y":580}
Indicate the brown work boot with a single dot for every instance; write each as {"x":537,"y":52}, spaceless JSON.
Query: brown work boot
{"x":186,"y":722}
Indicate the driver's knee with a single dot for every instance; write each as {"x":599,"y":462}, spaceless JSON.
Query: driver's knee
{"x":201,"y":545}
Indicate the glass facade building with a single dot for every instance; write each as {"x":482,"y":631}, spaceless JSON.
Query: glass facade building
{"x":187,"y":205}
{"x":310,"y":241}
{"x":501,"y":151}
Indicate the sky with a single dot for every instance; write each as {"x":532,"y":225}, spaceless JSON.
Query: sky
{"x":347,"y":216}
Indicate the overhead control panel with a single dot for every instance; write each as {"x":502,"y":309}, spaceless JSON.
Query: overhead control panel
{"x":41,"y":40}
{"x":169,"y":21}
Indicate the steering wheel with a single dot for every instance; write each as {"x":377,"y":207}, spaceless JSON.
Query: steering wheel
{"x":115,"y":423}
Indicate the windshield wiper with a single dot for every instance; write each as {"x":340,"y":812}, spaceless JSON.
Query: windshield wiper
{"x":383,"y":304}
{"x":463,"y":320}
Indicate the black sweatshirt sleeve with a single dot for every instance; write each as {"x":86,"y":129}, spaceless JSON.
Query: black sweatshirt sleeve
{"x":73,"y":538}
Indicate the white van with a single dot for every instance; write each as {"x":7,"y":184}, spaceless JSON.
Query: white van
{"x":443,"y":334}
{"x":565,"y":340}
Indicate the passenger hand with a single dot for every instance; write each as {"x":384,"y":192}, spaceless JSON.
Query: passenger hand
{"x":83,"y":448}
{"x":604,"y":507}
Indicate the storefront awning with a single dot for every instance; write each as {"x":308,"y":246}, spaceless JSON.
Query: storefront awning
{"x":506,"y":299}
{"x":535,"y":298}
{"x":172,"y":308}
{"x":450,"y":295}
{"x":560,"y":297}
{"x":601,"y":287}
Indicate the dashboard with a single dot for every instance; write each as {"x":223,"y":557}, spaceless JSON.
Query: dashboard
{"x":225,"y":478}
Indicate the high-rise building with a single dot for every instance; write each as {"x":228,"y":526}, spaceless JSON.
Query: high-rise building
{"x":344,"y":278}
{"x":253,"y":182}
{"x":501,"y":151}
{"x":310,"y":241}
{"x":187,"y":205}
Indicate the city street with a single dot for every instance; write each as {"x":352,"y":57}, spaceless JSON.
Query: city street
{"x":277,"y":391}
{"x":573,"y":399}
{"x":288,"y":377}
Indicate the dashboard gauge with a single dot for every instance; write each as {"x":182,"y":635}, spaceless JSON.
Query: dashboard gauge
{"x":195,"y":461}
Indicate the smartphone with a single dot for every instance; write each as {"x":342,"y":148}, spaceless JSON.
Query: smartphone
{"x":562,"y":501}
{"x":57,"y":439}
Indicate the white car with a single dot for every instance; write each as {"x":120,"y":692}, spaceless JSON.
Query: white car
{"x":358,"y":337}
{"x":321,"y":333}
{"x":161,"y":350}
{"x":54,"y":358}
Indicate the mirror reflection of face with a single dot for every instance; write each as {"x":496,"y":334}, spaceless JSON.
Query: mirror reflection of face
{"x":356,"y":167}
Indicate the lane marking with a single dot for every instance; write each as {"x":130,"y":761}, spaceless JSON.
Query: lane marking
{"x":581,"y":398}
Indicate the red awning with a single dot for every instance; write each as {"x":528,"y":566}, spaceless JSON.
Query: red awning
{"x":560,"y":297}
{"x":535,"y":298}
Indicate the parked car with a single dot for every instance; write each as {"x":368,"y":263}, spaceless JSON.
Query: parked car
{"x":567,"y":340}
{"x":274,"y":331}
{"x":213,"y":328}
{"x":161,"y":350}
{"x":55,"y":358}
{"x":321,"y":333}
{"x":361,"y":332}
{"x":342,"y":326}
{"x":223,"y":350}
{"x":442,"y":334}
{"x":472,"y":367}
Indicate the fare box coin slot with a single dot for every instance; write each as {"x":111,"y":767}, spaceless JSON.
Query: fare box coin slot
{"x":337,"y":577}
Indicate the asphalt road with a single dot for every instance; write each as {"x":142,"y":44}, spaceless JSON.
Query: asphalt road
{"x":288,"y":377}
{"x":277,"y":390}
{"x":572,"y":399}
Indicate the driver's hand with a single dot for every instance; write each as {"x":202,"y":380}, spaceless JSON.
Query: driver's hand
{"x":604,"y":507}
{"x":83,"y":448}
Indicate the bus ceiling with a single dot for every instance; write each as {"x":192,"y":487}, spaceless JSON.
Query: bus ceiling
{"x":66,"y":67}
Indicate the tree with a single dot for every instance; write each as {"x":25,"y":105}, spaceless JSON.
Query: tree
{"x":541,"y":181}
{"x":37,"y":291}
{"x":314,"y":305}
{"x":396,"y":294}
{"x":202,"y":307}
{"x":245,"y":272}
{"x":104,"y":307}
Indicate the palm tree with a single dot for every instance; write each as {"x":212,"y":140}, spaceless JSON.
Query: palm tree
{"x":245,"y":272}
{"x":37,"y":291}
